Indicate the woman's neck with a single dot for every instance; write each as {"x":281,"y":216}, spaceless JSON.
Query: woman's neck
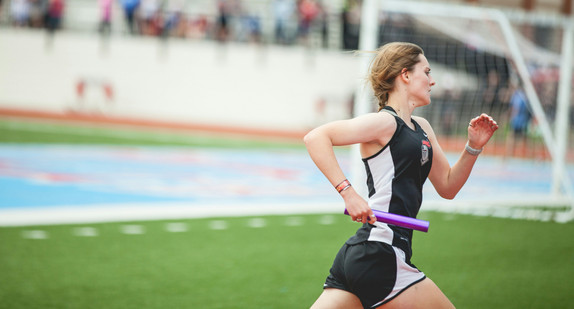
{"x":402,"y":107}
{"x":403,"y":110}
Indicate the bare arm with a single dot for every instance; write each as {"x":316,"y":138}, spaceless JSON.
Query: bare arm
{"x":449,"y":180}
{"x":372,"y":130}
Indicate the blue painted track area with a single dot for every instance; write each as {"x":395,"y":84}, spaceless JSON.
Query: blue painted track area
{"x":41,"y":181}
{"x":47,"y":176}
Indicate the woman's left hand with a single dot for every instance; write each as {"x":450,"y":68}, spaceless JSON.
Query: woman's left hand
{"x":480,"y":130}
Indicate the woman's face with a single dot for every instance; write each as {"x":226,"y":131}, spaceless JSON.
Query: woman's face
{"x":421,"y":82}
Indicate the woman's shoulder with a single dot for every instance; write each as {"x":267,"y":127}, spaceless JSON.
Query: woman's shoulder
{"x":377,"y":117}
{"x":378,"y":130}
{"x":383,"y":119}
{"x":421,"y":121}
{"x":424,"y":124}
{"x":374,"y":126}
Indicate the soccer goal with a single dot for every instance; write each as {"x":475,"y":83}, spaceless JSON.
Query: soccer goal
{"x":486,"y":60}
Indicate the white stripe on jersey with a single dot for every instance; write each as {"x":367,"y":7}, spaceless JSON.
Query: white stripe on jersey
{"x":382,"y":171}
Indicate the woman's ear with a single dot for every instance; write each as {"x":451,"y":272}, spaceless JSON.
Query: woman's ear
{"x":405,"y":75}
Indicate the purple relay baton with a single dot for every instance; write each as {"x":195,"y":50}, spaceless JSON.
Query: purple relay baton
{"x":402,"y":221}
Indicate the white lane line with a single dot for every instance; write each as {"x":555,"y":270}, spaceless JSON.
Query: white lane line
{"x":257,"y":223}
{"x":35,"y":234}
{"x":86,"y":231}
{"x":218,"y":225}
{"x":294,"y":221}
{"x":176,"y":227}
{"x":132,"y":229}
{"x":327,"y":220}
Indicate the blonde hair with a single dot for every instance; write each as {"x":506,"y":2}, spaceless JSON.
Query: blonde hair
{"x":388,"y":63}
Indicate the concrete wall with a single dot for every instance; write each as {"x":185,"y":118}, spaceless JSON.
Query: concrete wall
{"x":181,"y":81}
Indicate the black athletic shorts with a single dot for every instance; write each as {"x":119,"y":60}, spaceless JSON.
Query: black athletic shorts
{"x":376,"y":272}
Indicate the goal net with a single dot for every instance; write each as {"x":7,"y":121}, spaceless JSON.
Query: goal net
{"x":510,"y":65}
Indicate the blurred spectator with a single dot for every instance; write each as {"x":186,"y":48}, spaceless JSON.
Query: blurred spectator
{"x":55,"y":13}
{"x":520,"y":114}
{"x":519,"y":118}
{"x":351,"y":20}
{"x":448,"y":102}
{"x":197,"y":27}
{"x":20,"y":12}
{"x":253,"y":26}
{"x":244,"y":25}
{"x":38,"y":12}
{"x":492,"y":92}
{"x":130,"y":8}
{"x":105,"y":17}
{"x":222,"y":30}
{"x":545,"y":81}
{"x":307,"y":11}
{"x":150,"y":17}
{"x":174,"y":20}
{"x":283,"y":11}
{"x":322,"y":20}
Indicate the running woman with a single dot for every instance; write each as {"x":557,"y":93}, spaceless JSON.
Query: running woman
{"x":373,"y":268}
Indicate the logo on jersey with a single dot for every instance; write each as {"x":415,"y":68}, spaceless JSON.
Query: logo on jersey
{"x":426,"y":145}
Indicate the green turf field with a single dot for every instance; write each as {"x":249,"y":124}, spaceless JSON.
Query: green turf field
{"x":264,"y":262}
{"x":273,"y":262}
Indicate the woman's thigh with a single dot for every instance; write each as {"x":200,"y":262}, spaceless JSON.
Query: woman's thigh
{"x":424,"y":294}
{"x":337,"y":299}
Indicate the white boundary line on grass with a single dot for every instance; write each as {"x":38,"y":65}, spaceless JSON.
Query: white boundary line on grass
{"x":153,"y":211}
{"x":127,"y":212}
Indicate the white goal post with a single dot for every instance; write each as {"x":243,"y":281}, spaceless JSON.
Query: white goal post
{"x":555,"y":140}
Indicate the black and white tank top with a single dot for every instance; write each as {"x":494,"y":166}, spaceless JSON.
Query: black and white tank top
{"x":395,"y":178}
